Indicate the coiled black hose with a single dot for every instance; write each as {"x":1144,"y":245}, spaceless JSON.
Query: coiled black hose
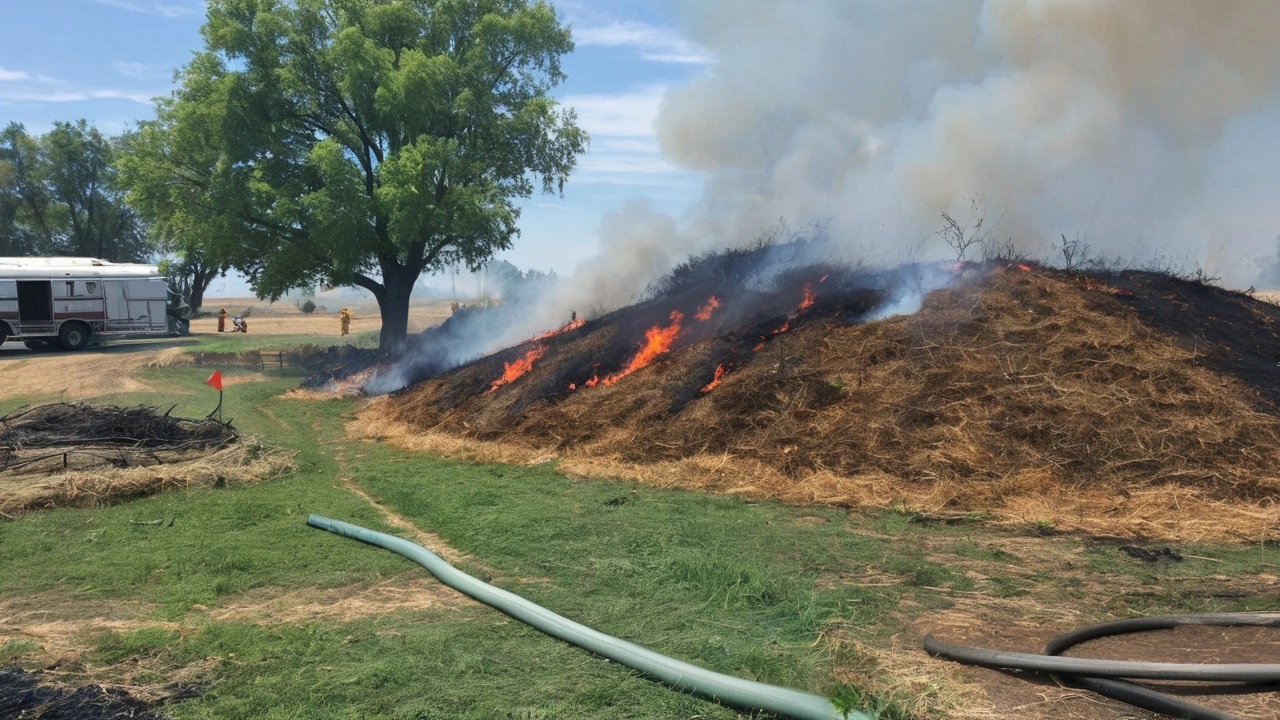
{"x":1099,"y":675}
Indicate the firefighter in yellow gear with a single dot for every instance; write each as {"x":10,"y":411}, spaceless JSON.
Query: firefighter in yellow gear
{"x":345,"y":318}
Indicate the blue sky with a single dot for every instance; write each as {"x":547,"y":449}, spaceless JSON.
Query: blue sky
{"x":103,"y":60}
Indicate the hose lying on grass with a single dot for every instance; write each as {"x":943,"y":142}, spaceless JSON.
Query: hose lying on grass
{"x":682,"y":676}
{"x":1099,"y":675}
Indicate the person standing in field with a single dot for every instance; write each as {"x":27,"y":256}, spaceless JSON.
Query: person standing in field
{"x":222,"y":320}
{"x":344,"y":317}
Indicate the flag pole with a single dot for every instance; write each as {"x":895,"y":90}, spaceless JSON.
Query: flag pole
{"x":215,"y":382}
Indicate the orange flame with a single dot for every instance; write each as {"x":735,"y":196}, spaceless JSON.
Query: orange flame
{"x":594,"y":381}
{"x":805,"y":304}
{"x":808,"y":299}
{"x":714,"y":381}
{"x":514,"y":370}
{"x":657,"y":341}
{"x":572,"y":325}
{"x":704,"y":312}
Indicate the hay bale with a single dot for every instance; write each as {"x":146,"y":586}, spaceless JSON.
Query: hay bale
{"x":1023,"y":396}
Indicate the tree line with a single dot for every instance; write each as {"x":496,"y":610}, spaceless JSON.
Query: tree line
{"x":60,"y":195}
{"x":316,"y":143}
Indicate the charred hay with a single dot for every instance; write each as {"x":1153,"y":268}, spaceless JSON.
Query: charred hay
{"x":1025,"y":396}
{"x":77,"y":424}
{"x":22,"y":695}
{"x":79,"y":455}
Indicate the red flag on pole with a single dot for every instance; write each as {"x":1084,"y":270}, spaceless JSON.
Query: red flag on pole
{"x":215,"y":380}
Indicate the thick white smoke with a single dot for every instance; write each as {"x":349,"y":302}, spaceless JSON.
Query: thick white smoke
{"x":1151,"y":126}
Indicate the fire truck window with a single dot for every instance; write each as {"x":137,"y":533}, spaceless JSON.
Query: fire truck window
{"x":91,"y":288}
{"x":71,"y":288}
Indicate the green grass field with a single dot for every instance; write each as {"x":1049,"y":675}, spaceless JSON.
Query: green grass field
{"x":757,"y":590}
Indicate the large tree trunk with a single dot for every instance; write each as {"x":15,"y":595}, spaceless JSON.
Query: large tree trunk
{"x":200,"y":281}
{"x":201,"y":278}
{"x":393,"y":304}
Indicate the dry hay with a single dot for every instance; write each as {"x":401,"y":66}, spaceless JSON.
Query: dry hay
{"x":1024,"y":396}
{"x":244,"y":462}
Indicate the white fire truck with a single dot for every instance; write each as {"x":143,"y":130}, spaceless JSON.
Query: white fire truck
{"x":67,"y":300}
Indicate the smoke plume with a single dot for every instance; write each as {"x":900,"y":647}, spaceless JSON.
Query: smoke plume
{"x":1149,"y":126}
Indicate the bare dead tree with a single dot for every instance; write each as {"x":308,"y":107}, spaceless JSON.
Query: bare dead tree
{"x":1075,"y":253}
{"x":1002,"y":251}
{"x":960,"y":237}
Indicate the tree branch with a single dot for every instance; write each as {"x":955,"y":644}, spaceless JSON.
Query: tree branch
{"x":369,"y":284}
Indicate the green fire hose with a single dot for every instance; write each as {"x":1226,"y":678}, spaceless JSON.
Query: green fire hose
{"x":682,"y":676}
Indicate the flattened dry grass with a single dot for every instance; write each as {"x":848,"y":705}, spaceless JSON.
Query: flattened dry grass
{"x":1023,"y":396}
{"x":244,"y":462}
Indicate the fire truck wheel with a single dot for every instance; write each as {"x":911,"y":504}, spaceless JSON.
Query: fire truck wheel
{"x":73,"y":335}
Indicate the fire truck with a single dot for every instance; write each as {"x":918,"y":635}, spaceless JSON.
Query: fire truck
{"x":67,"y":300}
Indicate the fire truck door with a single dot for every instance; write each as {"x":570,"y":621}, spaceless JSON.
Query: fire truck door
{"x":117,"y":304}
{"x":35,"y":301}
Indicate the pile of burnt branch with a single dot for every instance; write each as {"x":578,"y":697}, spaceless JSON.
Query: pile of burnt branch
{"x":337,"y":364}
{"x":64,"y":436}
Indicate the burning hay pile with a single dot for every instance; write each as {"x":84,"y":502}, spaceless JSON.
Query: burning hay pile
{"x":1021,"y":394}
{"x":74,"y":454}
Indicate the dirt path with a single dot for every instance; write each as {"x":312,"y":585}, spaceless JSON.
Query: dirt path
{"x":75,"y":376}
{"x":428,"y":540}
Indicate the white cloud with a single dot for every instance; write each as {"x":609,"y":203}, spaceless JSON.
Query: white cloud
{"x":21,"y":86}
{"x":60,"y":96}
{"x":121,"y":5}
{"x":630,"y":114}
{"x":143,"y":98}
{"x":624,"y":148}
{"x":655,"y":43}
{"x":7,"y":75}
{"x":169,"y":10}
{"x":18,"y":96}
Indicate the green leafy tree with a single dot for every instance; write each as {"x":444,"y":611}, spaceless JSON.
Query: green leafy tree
{"x":59,"y":195}
{"x":172,"y":171}
{"x":362,"y":142}
{"x":190,"y":273}
{"x":25,"y":205}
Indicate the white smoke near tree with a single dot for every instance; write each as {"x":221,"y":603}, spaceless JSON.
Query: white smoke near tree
{"x":1149,"y":129}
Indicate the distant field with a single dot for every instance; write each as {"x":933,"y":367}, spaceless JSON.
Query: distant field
{"x":284,"y":318}
{"x":113,"y":366}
